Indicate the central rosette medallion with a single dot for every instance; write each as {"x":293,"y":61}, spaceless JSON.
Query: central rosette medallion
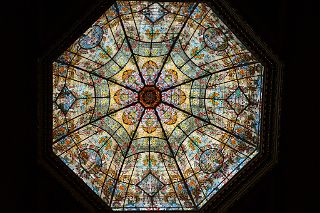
{"x":150,"y":97}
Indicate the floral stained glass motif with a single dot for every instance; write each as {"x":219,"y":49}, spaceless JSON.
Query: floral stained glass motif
{"x":156,"y":106}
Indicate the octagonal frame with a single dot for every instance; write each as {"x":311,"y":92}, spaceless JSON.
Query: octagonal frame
{"x":233,"y":189}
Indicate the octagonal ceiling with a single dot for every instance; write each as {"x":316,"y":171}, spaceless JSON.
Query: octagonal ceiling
{"x":157,"y":106}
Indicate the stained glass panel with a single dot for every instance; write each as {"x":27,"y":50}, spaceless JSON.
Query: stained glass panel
{"x":157,"y":105}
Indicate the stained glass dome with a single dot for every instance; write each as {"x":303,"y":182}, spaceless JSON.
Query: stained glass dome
{"x":157,"y":106}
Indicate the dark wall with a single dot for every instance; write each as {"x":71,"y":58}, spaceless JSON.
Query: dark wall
{"x":287,"y":27}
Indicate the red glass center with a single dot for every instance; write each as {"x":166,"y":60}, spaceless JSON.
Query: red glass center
{"x":150,"y":96}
